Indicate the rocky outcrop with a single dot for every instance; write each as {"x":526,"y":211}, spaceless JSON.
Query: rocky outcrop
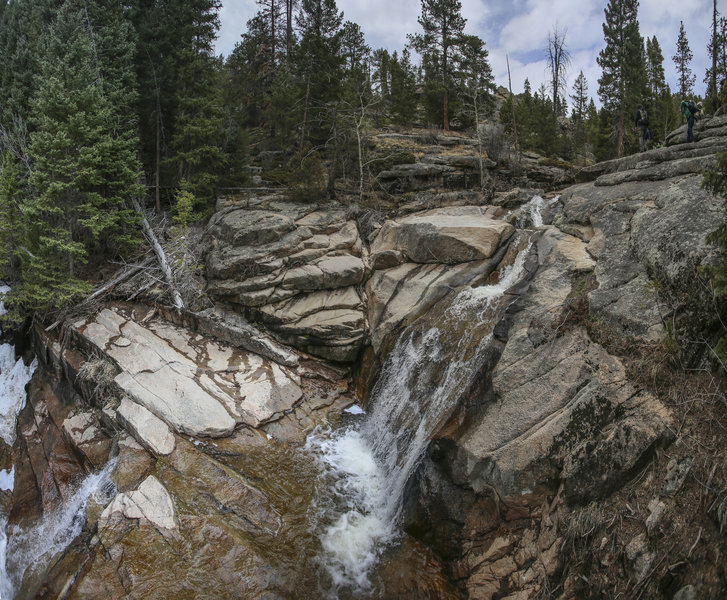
{"x":555,"y":392}
{"x":294,"y":269}
{"x":420,"y":258}
{"x":196,"y":388}
{"x":204,"y":417}
{"x":560,"y":424}
{"x":207,"y":509}
{"x":674,"y":159}
{"x":642,"y":232}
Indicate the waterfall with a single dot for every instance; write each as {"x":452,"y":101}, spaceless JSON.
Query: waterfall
{"x":531,"y":213}
{"x":368,"y":463}
{"x":34,"y":546}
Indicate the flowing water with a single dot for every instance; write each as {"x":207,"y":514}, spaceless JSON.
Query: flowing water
{"x":32,"y":548}
{"x":330,"y":520}
{"x":14,"y":375}
{"x":368,"y":463}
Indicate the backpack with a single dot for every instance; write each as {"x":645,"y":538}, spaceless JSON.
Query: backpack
{"x":642,"y":119}
{"x":692,"y":107}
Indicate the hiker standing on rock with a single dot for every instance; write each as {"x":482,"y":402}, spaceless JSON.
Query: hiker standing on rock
{"x":690,"y":110}
{"x":642,"y":122}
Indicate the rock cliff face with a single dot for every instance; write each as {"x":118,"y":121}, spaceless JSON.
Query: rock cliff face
{"x":204,"y":415}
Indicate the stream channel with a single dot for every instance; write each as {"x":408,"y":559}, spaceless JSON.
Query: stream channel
{"x":336,"y":519}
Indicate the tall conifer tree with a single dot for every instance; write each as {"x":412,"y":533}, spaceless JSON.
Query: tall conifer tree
{"x":443,"y":24}
{"x":197,"y":139}
{"x":85,"y":168}
{"x":622,"y":62}
{"x":682,"y":60}
{"x":319,"y":63}
{"x":579,"y":97}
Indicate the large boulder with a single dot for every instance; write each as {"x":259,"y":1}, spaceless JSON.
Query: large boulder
{"x":420,"y":258}
{"x":439,"y":236}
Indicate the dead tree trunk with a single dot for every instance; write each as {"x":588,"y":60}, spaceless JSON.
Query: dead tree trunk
{"x":161,"y":257}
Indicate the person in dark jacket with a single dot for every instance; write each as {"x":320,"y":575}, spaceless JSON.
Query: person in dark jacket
{"x":642,"y":122}
{"x":690,"y":111}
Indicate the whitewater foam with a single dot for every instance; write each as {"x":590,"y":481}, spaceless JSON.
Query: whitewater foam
{"x":366,"y":466}
{"x":35,"y":546}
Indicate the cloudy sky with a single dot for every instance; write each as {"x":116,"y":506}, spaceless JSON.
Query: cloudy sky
{"x":519,"y":28}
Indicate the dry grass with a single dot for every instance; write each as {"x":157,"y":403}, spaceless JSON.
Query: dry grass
{"x":97,"y":376}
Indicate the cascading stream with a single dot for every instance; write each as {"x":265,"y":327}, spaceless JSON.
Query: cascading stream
{"x":14,"y":375}
{"x":368,"y":464}
{"x":33,"y":547}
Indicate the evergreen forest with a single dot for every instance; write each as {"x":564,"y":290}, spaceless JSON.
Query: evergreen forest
{"x":105,"y":102}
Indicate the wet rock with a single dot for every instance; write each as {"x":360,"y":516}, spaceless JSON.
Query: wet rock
{"x":55,"y":466}
{"x":516,"y":197}
{"x":148,"y":430}
{"x":85,"y":434}
{"x":563,"y":407}
{"x":133,"y":464}
{"x":398,"y":296}
{"x":150,"y":502}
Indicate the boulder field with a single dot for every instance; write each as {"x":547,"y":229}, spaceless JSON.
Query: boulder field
{"x":204,"y":415}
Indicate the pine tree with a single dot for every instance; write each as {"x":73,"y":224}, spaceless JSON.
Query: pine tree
{"x":476,"y":85}
{"x":402,"y":100}
{"x":580,"y":105}
{"x":10,"y":216}
{"x":22,"y":28}
{"x":85,"y":168}
{"x":381,"y":75}
{"x":443,"y":25}
{"x":658,"y":101}
{"x":622,"y":61}
{"x":717,"y":71}
{"x":682,"y":59}
{"x":655,"y":67}
{"x":319,"y":64}
{"x":356,"y":55}
{"x":197,"y":138}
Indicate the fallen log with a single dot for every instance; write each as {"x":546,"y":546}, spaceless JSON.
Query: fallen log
{"x":161,"y":256}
